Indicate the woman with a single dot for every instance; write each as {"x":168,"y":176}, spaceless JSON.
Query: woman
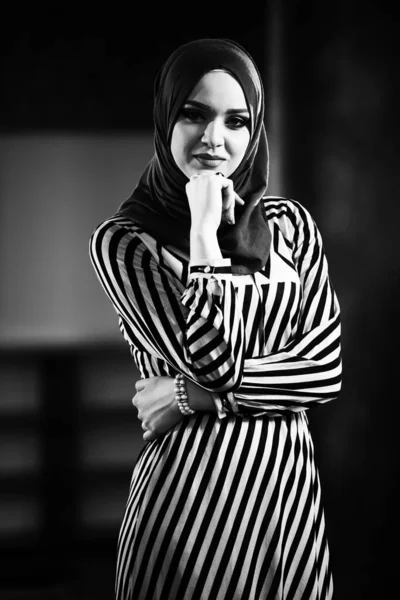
{"x":224,"y":298}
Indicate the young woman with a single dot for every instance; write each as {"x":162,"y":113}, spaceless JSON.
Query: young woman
{"x":224,"y":298}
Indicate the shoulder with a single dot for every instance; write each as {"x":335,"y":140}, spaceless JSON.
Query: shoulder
{"x":277,"y":206}
{"x":114,"y":224}
{"x":117,"y":235}
{"x":292,"y":218}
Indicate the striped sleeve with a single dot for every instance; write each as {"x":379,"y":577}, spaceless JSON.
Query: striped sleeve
{"x":308,"y":369}
{"x":198,"y":332}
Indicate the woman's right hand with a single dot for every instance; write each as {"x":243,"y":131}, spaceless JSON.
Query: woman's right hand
{"x":157,"y":407}
{"x":212,"y":199}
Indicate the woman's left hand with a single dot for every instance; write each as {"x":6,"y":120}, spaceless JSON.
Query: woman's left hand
{"x":157,"y":407}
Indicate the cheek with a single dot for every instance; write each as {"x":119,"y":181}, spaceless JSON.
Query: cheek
{"x":176,"y":144}
{"x":180,"y":146}
{"x":241,"y":144}
{"x":181,"y":143}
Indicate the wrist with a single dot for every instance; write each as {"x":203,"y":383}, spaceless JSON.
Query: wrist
{"x":199,"y":399}
{"x":204,"y":227}
{"x":204,"y":244}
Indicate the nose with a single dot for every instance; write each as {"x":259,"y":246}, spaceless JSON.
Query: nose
{"x":213,"y":134}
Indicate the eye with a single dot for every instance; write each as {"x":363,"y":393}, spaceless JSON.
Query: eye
{"x":238,"y":122}
{"x":191,"y":115}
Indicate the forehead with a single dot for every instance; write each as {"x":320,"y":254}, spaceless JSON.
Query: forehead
{"x":219,"y":88}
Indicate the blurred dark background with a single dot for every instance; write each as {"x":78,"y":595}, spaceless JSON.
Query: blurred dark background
{"x":75,"y":133}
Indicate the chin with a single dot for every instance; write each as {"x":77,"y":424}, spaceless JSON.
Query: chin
{"x":202,"y":169}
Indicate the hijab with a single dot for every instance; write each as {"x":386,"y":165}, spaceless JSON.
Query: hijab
{"x":159,"y":203}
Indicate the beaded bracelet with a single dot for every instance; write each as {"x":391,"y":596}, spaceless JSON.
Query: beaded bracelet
{"x":181,"y":395}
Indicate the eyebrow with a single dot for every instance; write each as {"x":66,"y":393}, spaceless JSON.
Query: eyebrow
{"x":230,"y":111}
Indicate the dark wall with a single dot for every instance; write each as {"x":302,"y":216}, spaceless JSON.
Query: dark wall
{"x":342,"y":154}
{"x":84,"y":70}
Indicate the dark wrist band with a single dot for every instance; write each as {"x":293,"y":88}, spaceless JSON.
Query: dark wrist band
{"x":210,"y":270}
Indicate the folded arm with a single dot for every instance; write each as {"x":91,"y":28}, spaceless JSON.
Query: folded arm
{"x":308,"y":369}
{"x":197,"y":330}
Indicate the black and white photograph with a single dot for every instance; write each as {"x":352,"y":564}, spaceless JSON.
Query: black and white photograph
{"x":199,"y":305}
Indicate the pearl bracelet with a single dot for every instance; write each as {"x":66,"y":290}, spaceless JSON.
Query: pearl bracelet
{"x":181,"y":395}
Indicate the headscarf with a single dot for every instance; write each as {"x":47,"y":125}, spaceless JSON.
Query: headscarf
{"x":159,"y":203}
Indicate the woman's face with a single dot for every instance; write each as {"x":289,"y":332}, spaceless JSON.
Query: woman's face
{"x":213,"y":128}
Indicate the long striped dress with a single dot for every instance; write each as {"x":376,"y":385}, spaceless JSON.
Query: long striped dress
{"x":227,"y":505}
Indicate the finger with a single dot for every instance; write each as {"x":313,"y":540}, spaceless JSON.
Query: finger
{"x":228,"y":201}
{"x":136,"y":400}
{"x":238,"y":199}
{"x":140,"y":384}
{"x":149,"y":436}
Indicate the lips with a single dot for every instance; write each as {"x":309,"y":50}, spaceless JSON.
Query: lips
{"x":207,"y":156}
{"x":209,"y":160}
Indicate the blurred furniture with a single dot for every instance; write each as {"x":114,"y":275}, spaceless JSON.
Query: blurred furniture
{"x":69,"y":439}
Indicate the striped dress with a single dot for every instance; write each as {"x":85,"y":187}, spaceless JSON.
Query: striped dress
{"x":227,"y":505}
